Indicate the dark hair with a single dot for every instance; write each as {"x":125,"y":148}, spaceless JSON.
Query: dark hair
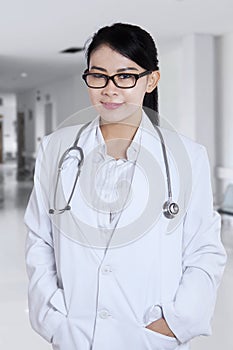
{"x":135,"y":43}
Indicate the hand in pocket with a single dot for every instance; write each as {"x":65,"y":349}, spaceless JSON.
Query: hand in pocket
{"x":161,"y":326}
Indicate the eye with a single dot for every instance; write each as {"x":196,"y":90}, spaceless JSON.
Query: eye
{"x":97,"y":75}
{"x":124,"y":76}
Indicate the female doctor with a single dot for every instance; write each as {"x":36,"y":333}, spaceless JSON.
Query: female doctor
{"x":123,"y":247}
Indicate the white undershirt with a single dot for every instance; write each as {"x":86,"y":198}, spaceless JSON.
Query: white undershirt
{"x":113,"y":180}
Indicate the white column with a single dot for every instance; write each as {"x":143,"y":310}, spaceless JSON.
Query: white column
{"x":198,"y":111}
{"x":224,"y":118}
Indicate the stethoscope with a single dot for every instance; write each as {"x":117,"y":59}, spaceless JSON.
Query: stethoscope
{"x":170,"y":209}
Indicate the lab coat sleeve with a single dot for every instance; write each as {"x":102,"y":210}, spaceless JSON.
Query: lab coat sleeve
{"x":203,"y":260}
{"x":40,"y":260}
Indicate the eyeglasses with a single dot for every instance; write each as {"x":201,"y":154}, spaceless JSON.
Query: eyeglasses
{"x":121,"y":80}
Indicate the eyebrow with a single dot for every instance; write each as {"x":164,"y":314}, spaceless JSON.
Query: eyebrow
{"x":118,"y":70}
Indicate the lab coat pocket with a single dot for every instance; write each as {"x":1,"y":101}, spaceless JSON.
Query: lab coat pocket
{"x":158,"y":341}
{"x":70,"y":336}
{"x":58,"y":301}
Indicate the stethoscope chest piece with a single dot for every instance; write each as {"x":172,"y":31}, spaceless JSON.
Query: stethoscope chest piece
{"x":170,"y":209}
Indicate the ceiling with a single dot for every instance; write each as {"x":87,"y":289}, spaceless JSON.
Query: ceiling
{"x":32,"y":33}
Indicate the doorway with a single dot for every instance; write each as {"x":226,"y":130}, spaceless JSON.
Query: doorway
{"x":1,"y":141}
{"x":48,"y":113}
{"x":20,"y":145}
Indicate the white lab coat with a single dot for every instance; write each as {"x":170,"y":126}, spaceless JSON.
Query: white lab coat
{"x":78,"y":304}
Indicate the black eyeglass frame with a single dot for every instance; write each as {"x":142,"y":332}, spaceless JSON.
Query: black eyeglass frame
{"x":108,"y":77}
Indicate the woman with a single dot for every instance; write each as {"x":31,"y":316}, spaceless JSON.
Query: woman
{"x":116,"y":258}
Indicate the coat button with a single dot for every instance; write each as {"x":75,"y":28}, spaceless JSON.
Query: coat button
{"x":104,"y":314}
{"x":106,"y":269}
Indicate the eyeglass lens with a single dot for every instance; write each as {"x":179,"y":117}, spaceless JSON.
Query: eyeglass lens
{"x":120,"y":80}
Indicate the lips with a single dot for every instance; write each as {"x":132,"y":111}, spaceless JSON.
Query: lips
{"x":111,"y":105}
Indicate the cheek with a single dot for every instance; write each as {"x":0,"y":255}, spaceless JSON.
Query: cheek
{"x":94,"y":96}
{"x":137,"y":97}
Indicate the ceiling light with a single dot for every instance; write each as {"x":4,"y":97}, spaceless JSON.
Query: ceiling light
{"x":23,"y":75}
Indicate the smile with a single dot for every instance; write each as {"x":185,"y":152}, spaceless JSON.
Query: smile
{"x":111,"y":105}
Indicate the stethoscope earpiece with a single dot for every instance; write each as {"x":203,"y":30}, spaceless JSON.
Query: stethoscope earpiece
{"x":170,"y":209}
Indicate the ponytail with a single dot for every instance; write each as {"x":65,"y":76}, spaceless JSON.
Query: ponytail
{"x":150,"y":104}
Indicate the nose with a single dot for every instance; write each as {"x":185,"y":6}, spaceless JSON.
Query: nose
{"x":110,"y":88}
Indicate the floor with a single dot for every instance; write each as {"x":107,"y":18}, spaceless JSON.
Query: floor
{"x":15,"y":331}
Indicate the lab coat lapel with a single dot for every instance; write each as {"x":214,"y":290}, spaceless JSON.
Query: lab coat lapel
{"x":147,"y":195}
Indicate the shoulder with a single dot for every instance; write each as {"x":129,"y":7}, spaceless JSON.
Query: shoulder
{"x":65,"y":137}
{"x":190,"y":157}
{"x":178,"y":141}
{"x":66,"y":134}
{"x":52,"y":146}
{"x":175,"y":142}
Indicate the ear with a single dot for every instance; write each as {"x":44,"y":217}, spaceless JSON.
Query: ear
{"x":153,"y":80}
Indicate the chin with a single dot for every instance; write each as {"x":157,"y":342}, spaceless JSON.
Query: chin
{"x":119,"y":115}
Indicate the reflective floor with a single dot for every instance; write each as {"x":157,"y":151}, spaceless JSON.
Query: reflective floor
{"x":15,"y":331}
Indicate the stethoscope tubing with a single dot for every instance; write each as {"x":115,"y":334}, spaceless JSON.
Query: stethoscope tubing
{"x":170,"y":208}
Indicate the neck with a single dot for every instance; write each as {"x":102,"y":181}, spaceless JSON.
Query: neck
{"x":124,"y":129}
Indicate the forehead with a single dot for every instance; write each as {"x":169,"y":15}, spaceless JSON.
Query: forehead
{"x":109,"y":59}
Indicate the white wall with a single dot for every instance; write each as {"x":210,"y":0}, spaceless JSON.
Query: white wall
{"x":187,"y":85}
{"x":8,"y":111}
{"x":224,"y":118}
{"x":67,"y":97}
{"x":170,"y":85}
{"x":198,"y":93}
